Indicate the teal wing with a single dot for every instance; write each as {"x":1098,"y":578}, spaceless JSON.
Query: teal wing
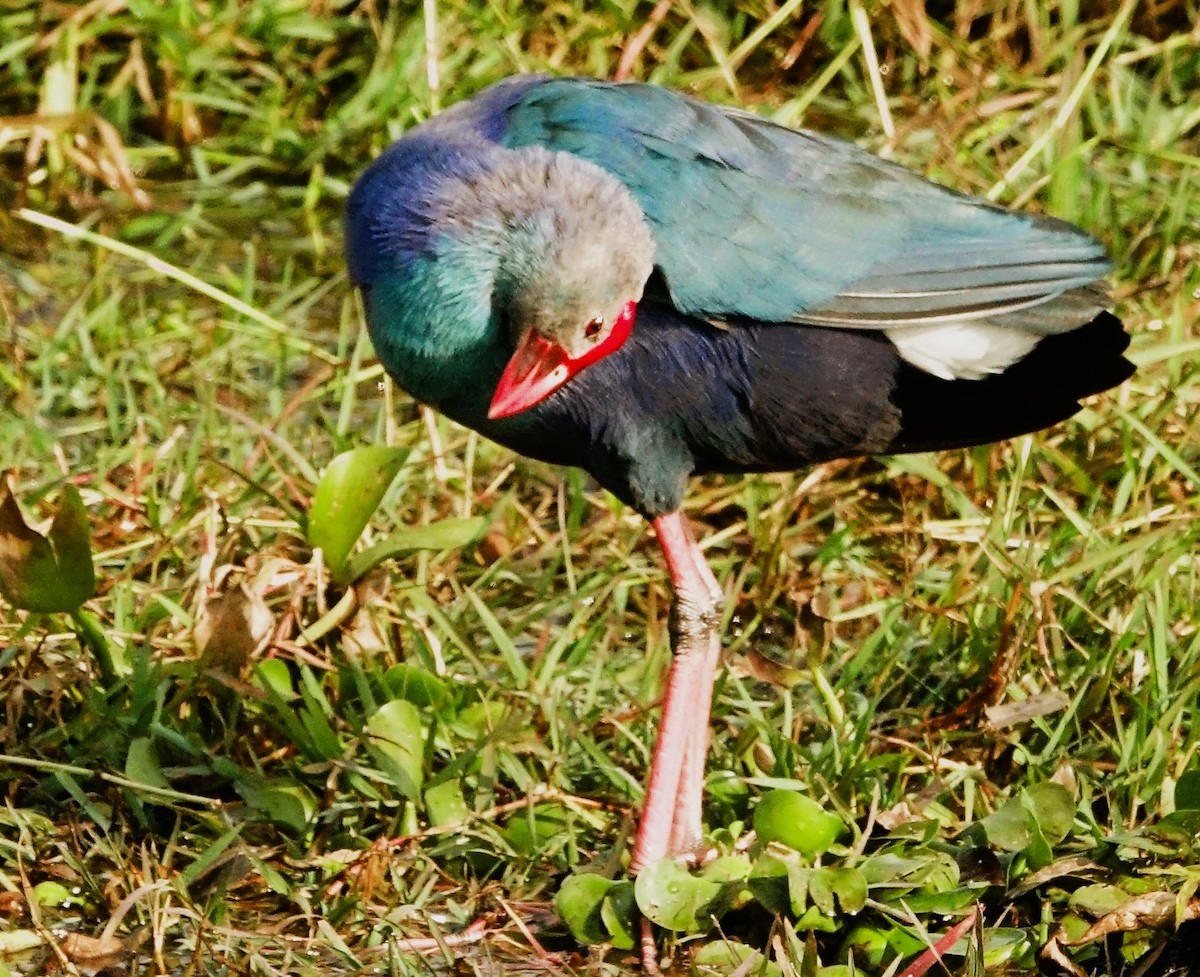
{"x":754,"y":219}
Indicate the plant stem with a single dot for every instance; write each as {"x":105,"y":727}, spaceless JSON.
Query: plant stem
{"x":109,"y":658}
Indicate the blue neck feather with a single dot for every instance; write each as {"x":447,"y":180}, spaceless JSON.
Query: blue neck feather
{"x":429,"y":293}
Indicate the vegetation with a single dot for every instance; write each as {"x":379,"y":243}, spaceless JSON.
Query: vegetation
{"x":234,"y":757}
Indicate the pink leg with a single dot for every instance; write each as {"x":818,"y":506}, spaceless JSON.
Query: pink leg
{"x":688,"y":828}
{"x":671,"y":815}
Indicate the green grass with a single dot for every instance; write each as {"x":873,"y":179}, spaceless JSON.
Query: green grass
{"x":194,"y":367}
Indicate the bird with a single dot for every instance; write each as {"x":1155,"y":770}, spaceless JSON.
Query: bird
{"x":650,"y":287}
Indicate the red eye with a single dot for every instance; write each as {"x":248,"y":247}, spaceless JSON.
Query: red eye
{"x":592,"y":329}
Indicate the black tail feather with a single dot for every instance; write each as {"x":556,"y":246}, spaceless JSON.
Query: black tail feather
{"x":1042,"y":389}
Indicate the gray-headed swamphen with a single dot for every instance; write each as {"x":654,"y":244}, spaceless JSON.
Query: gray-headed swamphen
{"x":649,"y":287}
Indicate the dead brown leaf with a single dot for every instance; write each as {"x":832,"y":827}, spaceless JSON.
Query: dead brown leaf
{"x":1154,"y":910}
{"x":1053,"y":951}
{"x":914,"y":25}
{"x":1014,"y":713}
{"x":231,"y":627}
{"x":93,"y":952}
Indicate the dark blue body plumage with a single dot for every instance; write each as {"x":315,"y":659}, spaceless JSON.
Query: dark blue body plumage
{"x":809,"y":301}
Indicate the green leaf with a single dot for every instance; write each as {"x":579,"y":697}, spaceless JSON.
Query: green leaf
{"x":619,"y":912}
{"x":797,"y":821}
{"x":418,"y":685}
{"x":273,"y":675}
{"x":1000,"y":945}
{"x":674,"y":899}
{"x":448,"y":534}
{"x":728,"y":957}
{"x":346,"y":497}
{"x":850,"y":887}
{"x":1038,"y":853}
{"x":1098,"y":899}
{"x":889,"y":866}
{"x":814,"y":920}
{"x":820,"y":890}
{"x":531,"y":830}
{"x":727,"y":868}
{"x":768,"y":882}
{"x":1010,"y":826}
{"x":1187,"y":791}
{"x":47,"y":574}
{"x":580,"y":904}
{"x":141,"y":763}
{"x":286,"y":803}
{"x":445,"y":804}
{"x":797,"y":877}
{"x":54,"y":894}
{"x":396,"y":740}
{"x":289,"y":805}
{"x":881,"y":943}
{"x":944,"y":901}
{"x":1033,"y":822}
{"x":1180,"y":826}
{"x":1053,"y":808}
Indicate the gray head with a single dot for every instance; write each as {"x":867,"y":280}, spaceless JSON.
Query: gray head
{"x":575,"y":253}
{"x":578,"y":255}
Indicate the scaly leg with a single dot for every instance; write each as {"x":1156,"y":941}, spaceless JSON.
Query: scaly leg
{"x":671,"y":820}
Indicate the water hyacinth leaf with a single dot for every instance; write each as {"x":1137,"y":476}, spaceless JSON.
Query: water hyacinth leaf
{"x":448,"y":534}
{"x":674,"y":899}
{"x":347,"y":495}
{"x":580,"y":903}
{"x":396,"y":741}
{"x":797,"y":821}
{"x":47,"y":574}
{"x":619,"y":912}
